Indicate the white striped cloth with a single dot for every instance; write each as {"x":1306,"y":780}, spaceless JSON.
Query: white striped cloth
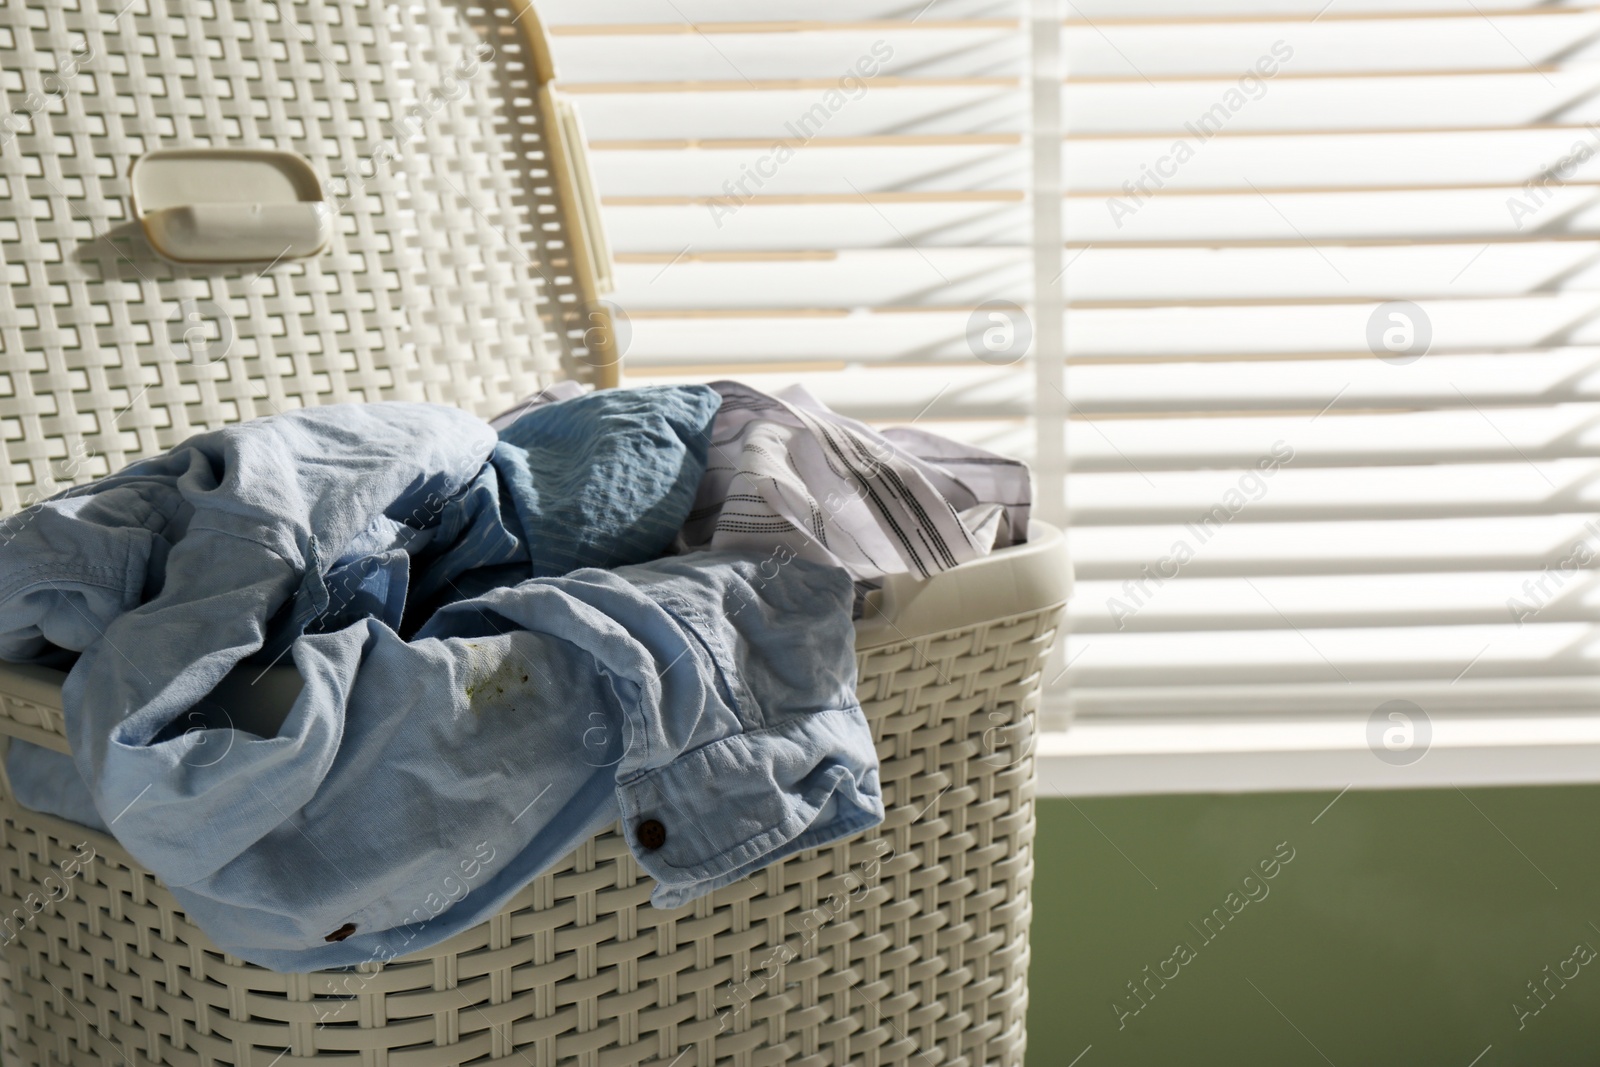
{"x":787,"y":474}
{"x":786,"y":471}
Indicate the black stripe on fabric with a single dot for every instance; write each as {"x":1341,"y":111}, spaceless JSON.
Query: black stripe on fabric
{"x":941,"y":549}
{"x":770,"y":526}
{"x":973,"y":461}
{"x":867,"y":482}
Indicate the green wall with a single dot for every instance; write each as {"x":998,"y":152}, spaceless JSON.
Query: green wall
{"x":1402,"y":931}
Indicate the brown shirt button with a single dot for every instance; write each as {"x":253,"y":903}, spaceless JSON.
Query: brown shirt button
{"x":651,"y":834}
{"x":343,"y":932}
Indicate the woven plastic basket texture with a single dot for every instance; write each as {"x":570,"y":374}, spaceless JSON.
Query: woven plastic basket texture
{"x":458,"y":273}
{"x":904,"y":945}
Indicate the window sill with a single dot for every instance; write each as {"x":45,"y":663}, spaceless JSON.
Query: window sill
{"x":1105,"y":758}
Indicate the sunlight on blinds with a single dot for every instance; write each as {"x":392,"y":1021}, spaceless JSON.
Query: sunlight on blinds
{"x":1332,"y":396}
{"x":829,"y":193}
{"x":1332,"y":356}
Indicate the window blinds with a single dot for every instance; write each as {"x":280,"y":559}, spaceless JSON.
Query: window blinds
{"x":825,"y":192}
{"x":1332,"y":355}
{"x":1331,"y":381}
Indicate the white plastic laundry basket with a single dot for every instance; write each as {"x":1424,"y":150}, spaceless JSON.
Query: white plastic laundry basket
{"x":464,"y":268}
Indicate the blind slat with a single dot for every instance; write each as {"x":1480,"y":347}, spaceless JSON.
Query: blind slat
{"x":1226,"y":549}
{"x":1532,"y":433}
{"x":1511,"y":97}
{"x":1323,"y":602}
{"x":1290,"y":495}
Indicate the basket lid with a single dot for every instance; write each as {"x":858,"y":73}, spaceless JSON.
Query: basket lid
{"x":459,"y":268}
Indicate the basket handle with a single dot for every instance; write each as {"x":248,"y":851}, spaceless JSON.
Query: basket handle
{"x":569,"y":174}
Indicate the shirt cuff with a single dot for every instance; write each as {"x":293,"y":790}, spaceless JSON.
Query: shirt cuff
{"x":719,"y":812}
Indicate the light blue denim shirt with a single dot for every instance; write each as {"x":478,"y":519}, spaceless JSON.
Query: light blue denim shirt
{"x":418,"y":780}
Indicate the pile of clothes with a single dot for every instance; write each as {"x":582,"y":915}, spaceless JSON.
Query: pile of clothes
{"x":348,"y":678}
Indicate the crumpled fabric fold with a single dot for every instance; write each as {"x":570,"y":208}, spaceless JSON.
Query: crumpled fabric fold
{"x":785,"y":469}
{"x":417,"y":780}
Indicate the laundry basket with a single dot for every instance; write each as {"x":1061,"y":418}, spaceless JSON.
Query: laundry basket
{"x":464,"y":266}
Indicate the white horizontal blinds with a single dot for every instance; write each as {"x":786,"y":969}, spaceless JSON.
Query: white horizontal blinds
{"x":1251,"y":187}
{"x":818,"y":192}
